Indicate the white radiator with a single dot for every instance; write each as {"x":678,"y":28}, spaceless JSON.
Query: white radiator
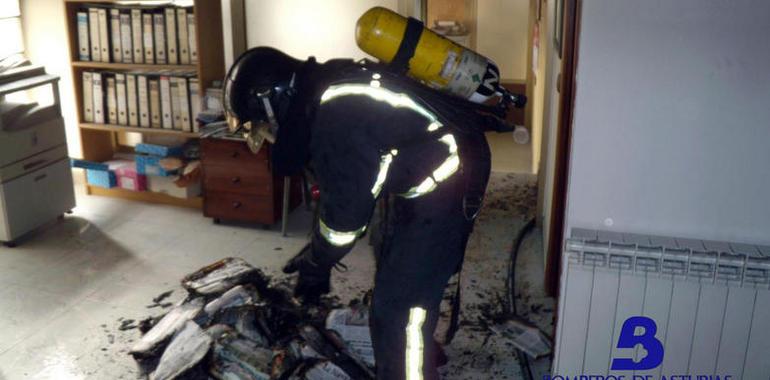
{"x":709,"y":300}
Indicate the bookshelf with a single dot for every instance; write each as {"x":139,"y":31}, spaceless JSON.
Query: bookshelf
{"x":101,"y":141}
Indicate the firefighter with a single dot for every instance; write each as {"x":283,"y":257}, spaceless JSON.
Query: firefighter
{"x":367,"y":134}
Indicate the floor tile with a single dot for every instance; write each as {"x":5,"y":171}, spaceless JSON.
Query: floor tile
{"x":24,"y":310}
{"x":83,"y":343}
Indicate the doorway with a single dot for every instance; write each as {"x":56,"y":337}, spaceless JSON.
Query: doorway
{"x":499,"y":31}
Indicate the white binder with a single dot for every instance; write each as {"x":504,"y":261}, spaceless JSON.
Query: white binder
{"x":155,"y":106}
{"x":120,"y":95}
{"x":117,"y":51}
{"x":165,"y":103}
{"x":88,"y":97}
{"x":98,"y":97}
{"x":84,"y":49}
{"x":131,"y":99}
{"x":136,"y":34}
{"x":93,"y":33}
{"x":126,"y":37}
{"x":171,"y":41}
{"x":112,"y":106}
{"x":159,"y":25}
{"x":148,"y":37}
{"x":184,"y":104}
{"x":176,"y":101}
{"x":195,"y":103}
{"x":144,"y":100}
{"x":184,"y":42}
{"x":104,"y":35}
{"x":192,"y":37}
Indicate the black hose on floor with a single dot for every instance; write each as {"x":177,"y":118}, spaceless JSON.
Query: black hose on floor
{"x":511,"y":282}
{"x":523,"y":360}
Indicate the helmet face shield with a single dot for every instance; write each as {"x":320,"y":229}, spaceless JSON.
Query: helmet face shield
{"x":257,"y":92}
{"x":262,"y":124}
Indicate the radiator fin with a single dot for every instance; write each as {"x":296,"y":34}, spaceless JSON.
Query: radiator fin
{"x":710,"y":301}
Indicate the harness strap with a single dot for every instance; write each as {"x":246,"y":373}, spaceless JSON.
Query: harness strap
{"x":405,"y":52}
{"x":475,"y":181}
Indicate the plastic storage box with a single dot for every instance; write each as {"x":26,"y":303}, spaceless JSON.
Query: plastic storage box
{"x":159,"y":150}
{"x":101,"y":178}
{"x":129,"y":179}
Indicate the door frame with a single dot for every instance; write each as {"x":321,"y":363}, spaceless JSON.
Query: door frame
{"x":566,"y":87}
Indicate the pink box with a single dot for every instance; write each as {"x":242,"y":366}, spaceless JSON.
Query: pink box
{"x":130,"y":179}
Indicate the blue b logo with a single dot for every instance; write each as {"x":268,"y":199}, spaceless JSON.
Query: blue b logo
{"x":647,"y":340}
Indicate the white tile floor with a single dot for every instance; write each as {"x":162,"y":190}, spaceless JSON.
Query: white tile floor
{"x":64,"y":289}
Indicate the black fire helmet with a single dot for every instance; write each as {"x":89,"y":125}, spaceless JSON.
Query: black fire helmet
{"x":266,"y":86}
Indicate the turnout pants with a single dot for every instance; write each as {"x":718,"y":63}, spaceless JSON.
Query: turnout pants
{"x":424,"y":248}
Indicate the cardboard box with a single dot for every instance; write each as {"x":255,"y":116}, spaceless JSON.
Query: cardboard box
{"x":101,"y":174}
{"x":166,"y":185}
{"x":101,"y":178}
{"x":84,"y":164}
{"x":129,"y":179}
{"x":150,"y":165}
{"x":159,"y":150}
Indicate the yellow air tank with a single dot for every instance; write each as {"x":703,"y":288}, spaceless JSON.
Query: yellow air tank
{"x":427,"y":56}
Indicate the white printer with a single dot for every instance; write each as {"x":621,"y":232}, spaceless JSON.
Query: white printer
{"x":35,"y":176}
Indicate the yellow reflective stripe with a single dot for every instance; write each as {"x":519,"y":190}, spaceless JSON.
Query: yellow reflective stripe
{"x":444,"y":171}
{"x":434,"y":125}
{"x":414,"y":343}
{"x":382,"y":175}
{"x":423,"y":188}
{"x":338,"y":238}
{"x":378,"y":93}
{"x":447,"y":168}
{"x":451,"y":164}
{"x":375,"y":91}
{"x":450,"y":142}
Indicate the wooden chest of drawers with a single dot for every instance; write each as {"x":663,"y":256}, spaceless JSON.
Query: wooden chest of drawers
{"x":239,"y":185}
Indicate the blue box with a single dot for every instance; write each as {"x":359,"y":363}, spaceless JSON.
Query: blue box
{"x":84,"y":164}
{"x":150,"y":165}
{"x":159,"y":150}
{"x":101,"y":178}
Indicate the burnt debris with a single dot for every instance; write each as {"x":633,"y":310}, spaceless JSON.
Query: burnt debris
{"x":236,"y":323}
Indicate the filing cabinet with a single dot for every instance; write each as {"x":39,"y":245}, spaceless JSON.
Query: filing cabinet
{"x":239,"y":185}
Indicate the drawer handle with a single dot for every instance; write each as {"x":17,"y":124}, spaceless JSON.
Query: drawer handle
{"x":235,"y":154}
{"x":235,"y":180}
{"x":33,"y":164}
{"x":236,"y":204}
{"x":42,"y":176}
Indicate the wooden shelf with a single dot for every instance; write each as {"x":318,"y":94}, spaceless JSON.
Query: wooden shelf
{"x":159,"y":3}
{"x":145,"y":196}
{"x":123,"y":128}
{"x":133,"y":66}
{"x":100,"y":142}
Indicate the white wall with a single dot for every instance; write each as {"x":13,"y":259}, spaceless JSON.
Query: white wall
{"x":301,"y":28}
{"x":672,"y":119}
{"x":45,"y":39}
{"x":233,"y":29}
{"x":501,"y":34}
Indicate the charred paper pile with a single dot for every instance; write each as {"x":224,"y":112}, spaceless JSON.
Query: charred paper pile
{"x":236,"y":324}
